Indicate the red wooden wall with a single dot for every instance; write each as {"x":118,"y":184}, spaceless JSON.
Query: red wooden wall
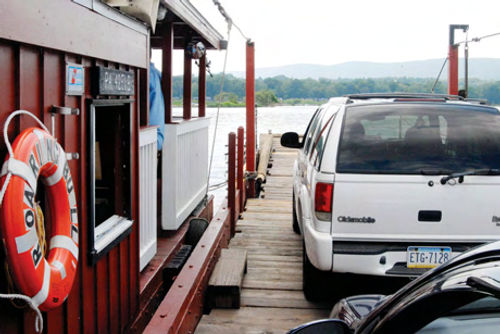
{"x":104,"y":297}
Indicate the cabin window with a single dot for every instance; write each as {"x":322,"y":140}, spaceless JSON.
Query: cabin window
{"x":110,"y":178}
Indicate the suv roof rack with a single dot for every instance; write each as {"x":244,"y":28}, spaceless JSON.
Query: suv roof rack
{"x":367,"y":96}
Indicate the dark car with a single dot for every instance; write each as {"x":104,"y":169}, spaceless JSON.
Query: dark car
{"x":460,"y":296}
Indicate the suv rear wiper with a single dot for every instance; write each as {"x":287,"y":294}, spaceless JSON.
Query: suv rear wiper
{"x":460,"y":175}
{"x":434,"y":171}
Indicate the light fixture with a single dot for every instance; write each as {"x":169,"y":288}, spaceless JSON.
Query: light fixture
{"x":195,"y":50}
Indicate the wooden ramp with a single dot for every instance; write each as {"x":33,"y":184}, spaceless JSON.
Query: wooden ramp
{"x":272,"y":300}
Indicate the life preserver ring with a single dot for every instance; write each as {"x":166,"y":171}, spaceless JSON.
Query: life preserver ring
{"x":47,"y":280}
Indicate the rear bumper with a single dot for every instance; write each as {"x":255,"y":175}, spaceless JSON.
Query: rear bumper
{"x":367,"y":258}
{"x":382,"y":258}
{"x":318,"y":246}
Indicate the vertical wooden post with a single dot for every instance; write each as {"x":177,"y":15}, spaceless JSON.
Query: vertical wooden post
{"x":187,"y":86}
{"x":144,"y":95}
{"x":239,"y":176}
{"x":453,"y":70}
{"x":250,"y":116}
{"x":166,"y":77}
{"x":202,"y":87}
{"x":453,"y":58}
{"x":231,"y":180}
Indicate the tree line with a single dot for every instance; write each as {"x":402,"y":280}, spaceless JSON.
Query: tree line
{"x":282,"y":89}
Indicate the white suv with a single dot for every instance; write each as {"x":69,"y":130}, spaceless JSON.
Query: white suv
{"x":391,"y":185}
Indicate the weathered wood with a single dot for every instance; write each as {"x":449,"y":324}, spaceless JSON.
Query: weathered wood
{"x":272,"y":300}
{"x":276,"y":298}
{"x":257,"y":264}
{"x":265,"y":148}
{"x":267,"y":216}
{"x":249,"y":283}
{"x":56,"y":29}
{"x":265,"y":236}
{"x":224,"y":286}
{"x":275,"y":258}
{"x":257,"y":320}
{"x":270,"y":209}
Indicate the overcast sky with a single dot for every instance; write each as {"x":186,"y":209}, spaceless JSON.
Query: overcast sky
{"x":331,"y":32}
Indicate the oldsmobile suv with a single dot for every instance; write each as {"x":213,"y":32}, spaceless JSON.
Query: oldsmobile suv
{"x":394,"y":184}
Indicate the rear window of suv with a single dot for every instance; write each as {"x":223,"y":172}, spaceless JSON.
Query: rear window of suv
{"x":416,"y":138}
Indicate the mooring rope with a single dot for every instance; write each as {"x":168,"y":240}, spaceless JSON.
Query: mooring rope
{"x":477,"y":39}
{"x":228,"y":19}
{"x":221,"y":90}
{"x":439,"y":75}
{"x":230,"y":24}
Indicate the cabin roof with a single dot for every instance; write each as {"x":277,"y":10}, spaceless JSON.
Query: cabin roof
{"x":189,"y":25}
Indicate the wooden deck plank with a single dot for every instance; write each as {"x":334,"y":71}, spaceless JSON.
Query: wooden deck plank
{"x":273,"y":264}
{"x":260,"y":235}
{"x":271,"y":285}
{"x":276,"y":298}
{"x":275,"y":209}
{"x":257,"y":320}
{"x":274,"y":258}
{"x":267,"y":216}
{"x":224,"y":286}
{"x":272,"y":300}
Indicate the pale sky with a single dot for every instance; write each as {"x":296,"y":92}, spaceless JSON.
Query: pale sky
{"x":330,"y":32}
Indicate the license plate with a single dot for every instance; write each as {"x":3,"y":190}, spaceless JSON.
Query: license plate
{"x":427,"y":257}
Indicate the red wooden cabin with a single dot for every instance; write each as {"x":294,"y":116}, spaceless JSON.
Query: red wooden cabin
{"x":41,"y":42}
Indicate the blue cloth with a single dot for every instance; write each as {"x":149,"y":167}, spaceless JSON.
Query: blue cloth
{"x":156,"y":104}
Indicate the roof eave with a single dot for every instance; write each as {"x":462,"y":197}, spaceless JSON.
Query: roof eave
{"x":184,"y":10}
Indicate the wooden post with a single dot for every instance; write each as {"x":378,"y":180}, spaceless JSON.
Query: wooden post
{"x":453,"y":70}
{"x":250,"y":116}
{"x":187,"y":86}
{"x":241,"y":151}
{"x":202,"y":87}
{"x":231,"y":180}
{"x":166,"y":77}
{"x":453,"y":58}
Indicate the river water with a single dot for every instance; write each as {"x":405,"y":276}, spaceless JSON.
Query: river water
{"x":275,"y":119}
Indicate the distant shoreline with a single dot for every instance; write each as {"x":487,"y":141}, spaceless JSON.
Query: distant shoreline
{"x":294,"y":103}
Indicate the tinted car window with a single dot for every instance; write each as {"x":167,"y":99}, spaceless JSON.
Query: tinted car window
{"x":312,"y":128}
{"x":320,"y":135}
{"x":307,"y":132}
{"x":409,"y":138}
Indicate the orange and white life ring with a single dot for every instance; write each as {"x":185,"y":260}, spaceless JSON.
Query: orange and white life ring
{"x":47,"y":280}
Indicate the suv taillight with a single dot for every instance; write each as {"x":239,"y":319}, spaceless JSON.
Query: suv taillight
{"x":323,"y":201}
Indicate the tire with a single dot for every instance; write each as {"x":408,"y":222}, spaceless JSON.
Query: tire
{"x":295,"y":224}
{"x":317,"y":284}
{"x":197,"y":227}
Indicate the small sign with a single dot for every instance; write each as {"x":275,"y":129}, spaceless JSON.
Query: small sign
{"x":75,"y":79}
{"x":108,"y":81}
{"x":427,"y":257}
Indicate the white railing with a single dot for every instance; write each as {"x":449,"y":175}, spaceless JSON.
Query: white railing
{"x":147,"y":194}
{"x":184,"y":169}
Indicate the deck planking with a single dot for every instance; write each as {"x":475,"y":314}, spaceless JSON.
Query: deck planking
{"x":272,"y":300}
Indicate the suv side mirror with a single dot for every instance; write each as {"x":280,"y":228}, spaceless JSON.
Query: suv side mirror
{"x":324,"y":326}
{"x":290,"y":139}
